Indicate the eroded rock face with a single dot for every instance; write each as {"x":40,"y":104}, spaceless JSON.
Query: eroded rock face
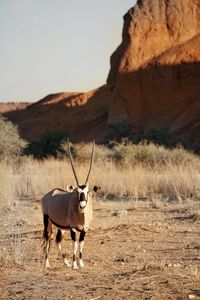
{"x":155,"y":72}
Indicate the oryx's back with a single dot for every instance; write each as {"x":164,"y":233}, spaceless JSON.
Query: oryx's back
{"x":58,"y":204}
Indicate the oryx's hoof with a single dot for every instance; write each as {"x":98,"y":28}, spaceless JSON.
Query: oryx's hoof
{"x":47,"y":265}
{"x":74,"y":265}
{"x":81,"y":264}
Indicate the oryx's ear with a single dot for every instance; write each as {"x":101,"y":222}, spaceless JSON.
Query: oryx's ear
{"x":96,"y":188}
{"x":69,"y":188}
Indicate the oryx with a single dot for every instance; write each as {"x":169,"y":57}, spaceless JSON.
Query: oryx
{"x":71,"y":210}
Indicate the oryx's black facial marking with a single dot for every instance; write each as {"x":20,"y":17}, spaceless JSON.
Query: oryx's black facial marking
{"x":82,"y":187}
{"x":82,"y":197}
{"x":83,"y":192}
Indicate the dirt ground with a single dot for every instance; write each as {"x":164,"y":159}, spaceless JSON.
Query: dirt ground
{"x":133,"y":250}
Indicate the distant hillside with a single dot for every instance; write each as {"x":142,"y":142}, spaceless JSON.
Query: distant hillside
{"x":83,"y":115}
{"x":13,"y":106}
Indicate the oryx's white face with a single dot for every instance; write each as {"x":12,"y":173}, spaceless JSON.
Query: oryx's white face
{"x":83,"y":194}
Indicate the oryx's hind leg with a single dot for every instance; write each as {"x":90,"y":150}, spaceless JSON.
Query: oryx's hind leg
{"x":81,"y":244}
{"x":59,"y":238}
{"x":47,"y":238}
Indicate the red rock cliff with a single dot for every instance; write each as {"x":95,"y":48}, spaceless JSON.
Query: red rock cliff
{"x":155,"y":72}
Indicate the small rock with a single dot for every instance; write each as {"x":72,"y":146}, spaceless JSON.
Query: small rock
{"x":191,"y":296}
{"x":169,"y":265}
{"x":121,"y":259}
{"x":119,"y":213}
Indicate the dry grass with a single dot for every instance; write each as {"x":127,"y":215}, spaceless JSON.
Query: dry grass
{"x":177,"y":178}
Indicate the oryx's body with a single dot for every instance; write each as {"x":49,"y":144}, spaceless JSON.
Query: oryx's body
{"x":68,"y":210}
{"x":62,"y":208}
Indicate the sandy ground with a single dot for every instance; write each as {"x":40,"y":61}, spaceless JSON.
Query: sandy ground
{"x":133,"y":250}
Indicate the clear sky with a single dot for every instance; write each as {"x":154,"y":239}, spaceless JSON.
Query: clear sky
{"x":49,"y":46}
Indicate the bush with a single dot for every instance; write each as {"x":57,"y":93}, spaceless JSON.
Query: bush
{"x":82,"y":152}
{"x":149,"y":154}
{"x":11,"y":145}
{"x":118,"y":132}
{"x":122,"y":132}
{"x":49,"y":144}
{"x":158,"y":136}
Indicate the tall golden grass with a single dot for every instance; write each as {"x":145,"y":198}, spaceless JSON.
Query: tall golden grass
{"x":133,"y":171}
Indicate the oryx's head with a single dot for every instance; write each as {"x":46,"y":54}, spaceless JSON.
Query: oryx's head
{"x":82,"y":190}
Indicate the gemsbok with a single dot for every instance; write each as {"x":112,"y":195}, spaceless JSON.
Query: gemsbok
{"x":72,"y":210}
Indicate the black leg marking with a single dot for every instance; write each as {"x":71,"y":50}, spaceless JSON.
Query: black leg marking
{"x":73,"y":235}
{"x":82,"y":236}
{"x":59,"y":236}
{"x":47,"y":237}
{"x":47,"y":227}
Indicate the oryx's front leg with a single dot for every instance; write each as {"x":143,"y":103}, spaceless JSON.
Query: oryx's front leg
{"x":81,"y":244}
{"x":75,"y":247}
{"x":59,"y":238}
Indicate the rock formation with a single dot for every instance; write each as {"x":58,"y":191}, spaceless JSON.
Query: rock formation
{"x":154,"y":74}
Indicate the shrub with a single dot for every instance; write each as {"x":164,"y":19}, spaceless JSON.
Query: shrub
{"x":122,"y":132}
{"x":11,"y":145}
{"x":49,"y":144}
{"x":158,"y":136}
{"x":119,"y":131}
{"x":149,"y":154}
{"x":82,"y":152}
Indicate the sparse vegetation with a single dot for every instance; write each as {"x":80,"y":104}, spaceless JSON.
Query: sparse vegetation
{"x":119,"y":131}
{"x":48,"y":145}
{"x":122,"y":132}
{"x":158,"y":136}
{"x":11,"y":145}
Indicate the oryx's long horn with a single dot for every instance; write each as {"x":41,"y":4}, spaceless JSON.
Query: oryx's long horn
{"x":71,"y":161}
{"x":91,"y":162}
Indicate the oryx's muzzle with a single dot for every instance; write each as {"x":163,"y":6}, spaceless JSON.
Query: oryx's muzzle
{"x":83,"y":201}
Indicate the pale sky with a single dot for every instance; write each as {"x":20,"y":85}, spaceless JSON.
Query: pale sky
{"x":49,"y":46}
